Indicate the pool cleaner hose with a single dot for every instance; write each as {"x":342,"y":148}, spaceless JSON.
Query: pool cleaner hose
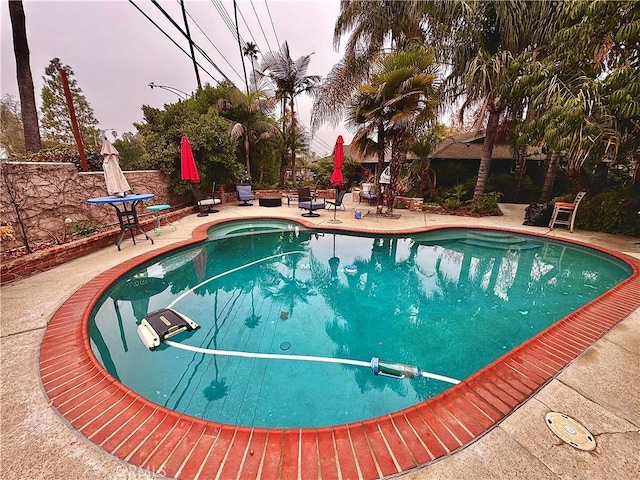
{"x":378,"y":367}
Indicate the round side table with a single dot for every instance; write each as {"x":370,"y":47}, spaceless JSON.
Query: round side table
{"x":156,"y":209}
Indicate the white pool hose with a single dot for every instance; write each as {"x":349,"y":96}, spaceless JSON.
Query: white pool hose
{"x":309,"y":358}
{"x":409,"y":371}
{"x":215,"y":277}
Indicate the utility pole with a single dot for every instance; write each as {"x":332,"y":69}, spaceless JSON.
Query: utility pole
{"x":235,"y":12}
{"x":193,"y":57}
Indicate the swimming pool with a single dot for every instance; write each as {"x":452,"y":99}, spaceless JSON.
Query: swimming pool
{"x":145,"y":434}
{"x":449,"y":301}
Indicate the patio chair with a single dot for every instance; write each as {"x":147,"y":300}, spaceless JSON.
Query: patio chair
{"x":244,"y":195}
{"x":337,"y":203}
{"x":567,"y":211}
{"x":205,"y":202}
{"x":368,"y":193}
{"x":309,"y":202}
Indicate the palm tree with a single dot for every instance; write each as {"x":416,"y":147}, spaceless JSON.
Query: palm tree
{"x":25,"y":80}
{"x":291,"y":80}
{"x":371,"y":25}
{"x":250,"y":50}
{"x":248,"y":117}
{"x":587,"y":108}
{"x":365,"y":117}
{"x":484,"y":48}
{"x":573,"y":118}
{"x":405,"y":94}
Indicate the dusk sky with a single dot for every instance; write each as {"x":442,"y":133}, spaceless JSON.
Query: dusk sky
{"x":115,"y":52}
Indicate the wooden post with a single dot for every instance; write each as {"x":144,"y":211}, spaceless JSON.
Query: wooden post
{"x":74,"y":120}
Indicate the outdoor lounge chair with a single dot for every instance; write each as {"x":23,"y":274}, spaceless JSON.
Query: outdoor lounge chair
{"x":309,"y":202}
{"x":567,"y":211}
{"x":245,"y":194}
{"x":368,"y":193}
{"x":205,"y":202}
{"x":337,"y":203}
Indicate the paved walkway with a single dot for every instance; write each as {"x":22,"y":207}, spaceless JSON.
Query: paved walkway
{"x":600,"y":389}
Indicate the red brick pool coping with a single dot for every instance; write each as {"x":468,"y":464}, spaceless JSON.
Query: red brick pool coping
{"x":150,"y":436}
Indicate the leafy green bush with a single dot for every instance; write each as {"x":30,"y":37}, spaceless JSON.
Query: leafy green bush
{"x":85,"y":228}
{"x":613,"y":211}
{"x":453,"y":199}
{"x":486,"y":204}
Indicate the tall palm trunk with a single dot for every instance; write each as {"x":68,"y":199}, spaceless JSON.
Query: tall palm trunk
{"x":380,"y":167}
{"x":396,"y":164}
{"x":487,"y":151}
{"x":25,"y":81}
{"x":246,"y":152}
{"x":550,"y":176}
{"x":293,"y":140}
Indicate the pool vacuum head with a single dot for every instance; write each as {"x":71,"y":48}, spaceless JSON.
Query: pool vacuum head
{"x":157,"y":326}
{"x":391,"y":369}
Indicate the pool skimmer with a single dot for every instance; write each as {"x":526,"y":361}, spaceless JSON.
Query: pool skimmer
{"x":570,"y":431}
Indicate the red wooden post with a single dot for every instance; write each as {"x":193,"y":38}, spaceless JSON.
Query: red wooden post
{"x":74,"y":120}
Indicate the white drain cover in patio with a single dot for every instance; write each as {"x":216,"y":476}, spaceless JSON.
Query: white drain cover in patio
{"x":570,"y":431}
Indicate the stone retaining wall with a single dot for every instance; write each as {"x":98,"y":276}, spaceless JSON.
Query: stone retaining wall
{"x":22,"y":267}
{"x":46,"y":194}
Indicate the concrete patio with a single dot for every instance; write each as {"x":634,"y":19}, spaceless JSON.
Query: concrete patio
{"x":600,"y":388}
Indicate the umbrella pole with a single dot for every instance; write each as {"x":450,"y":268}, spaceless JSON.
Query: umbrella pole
{"x":335,"y":208}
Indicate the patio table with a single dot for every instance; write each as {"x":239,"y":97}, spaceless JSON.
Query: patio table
{"x":127,"y":215}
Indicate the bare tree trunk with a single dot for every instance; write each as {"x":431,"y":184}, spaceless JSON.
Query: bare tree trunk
{"x":549,"y":176}
{"x":25,"y":80}
{"x":487,"y":151}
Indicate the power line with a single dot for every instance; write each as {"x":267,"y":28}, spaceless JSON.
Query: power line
{"x":260,"y":23}
{"x":213,"y":45}
{"x":193,"y":55}
{"x":169,"y":37}
{"x":244,"y":68}
{"x":186,"y":36}
{"x":222,"y":11}
{"x":271,"y":19}
{"x":317,"y":140}
{"x":246,"y":24}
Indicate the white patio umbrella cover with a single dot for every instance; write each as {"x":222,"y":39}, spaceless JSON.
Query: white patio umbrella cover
{"x":117,"y":184}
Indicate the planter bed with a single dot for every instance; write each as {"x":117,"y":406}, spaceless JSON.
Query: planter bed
{"x":23,"y":266}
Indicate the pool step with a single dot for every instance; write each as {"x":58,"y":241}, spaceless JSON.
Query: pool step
{"x":499,"y":241}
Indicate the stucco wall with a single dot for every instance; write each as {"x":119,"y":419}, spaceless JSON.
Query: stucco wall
{"x":45,"y":194}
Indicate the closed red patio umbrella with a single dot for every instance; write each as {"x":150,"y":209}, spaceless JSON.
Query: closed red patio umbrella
{"x":338,"y":159}
{"x":336,"y":176}
{"x":188,"y":167}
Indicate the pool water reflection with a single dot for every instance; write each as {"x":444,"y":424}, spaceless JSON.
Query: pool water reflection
{"x":449,"y":301}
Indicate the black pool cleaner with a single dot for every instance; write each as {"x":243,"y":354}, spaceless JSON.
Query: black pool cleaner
{"x":162,"y":324}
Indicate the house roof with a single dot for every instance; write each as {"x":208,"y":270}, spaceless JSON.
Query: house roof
{"x":464,"y":146}
{"x":468,"y":146}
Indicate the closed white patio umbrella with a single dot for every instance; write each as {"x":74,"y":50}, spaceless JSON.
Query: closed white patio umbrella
{"x":117,"y":184}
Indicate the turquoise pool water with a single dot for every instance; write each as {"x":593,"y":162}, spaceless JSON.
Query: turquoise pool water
{"x":448,"y":301}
